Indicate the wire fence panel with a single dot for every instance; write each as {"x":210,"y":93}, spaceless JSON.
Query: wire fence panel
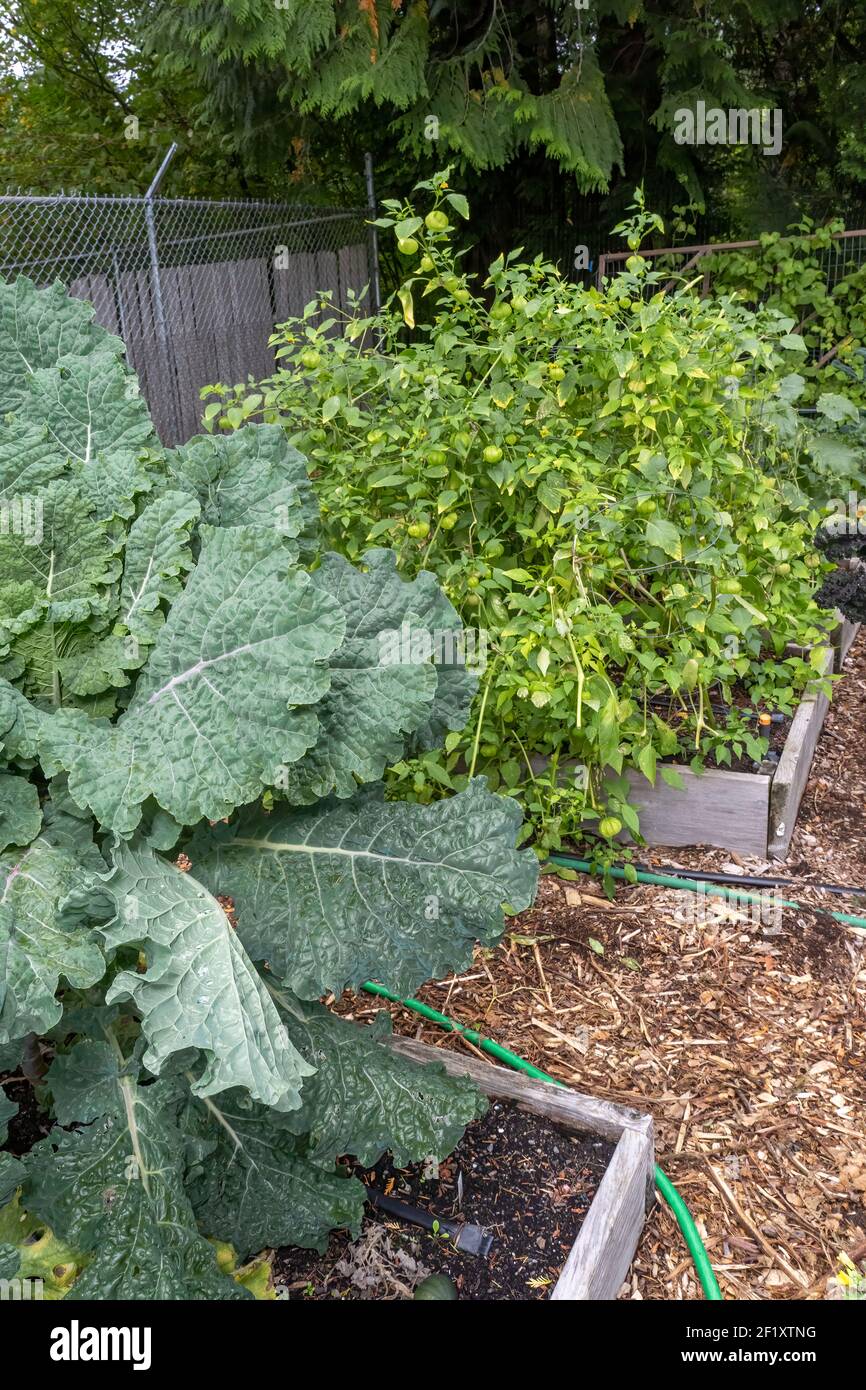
{"x":193,"y":287}
{"x":845,"y":255}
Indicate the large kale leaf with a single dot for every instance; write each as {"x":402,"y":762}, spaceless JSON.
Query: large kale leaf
{"x":366,"y":888}
{"x":114,"y":1187}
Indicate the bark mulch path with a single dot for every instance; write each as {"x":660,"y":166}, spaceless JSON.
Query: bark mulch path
{"x":745,"y":1039}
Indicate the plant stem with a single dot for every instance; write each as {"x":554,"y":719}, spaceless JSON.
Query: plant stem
{"x":32,"y":1062}
{"x":480,"y":723}
{"x":581,"y":677}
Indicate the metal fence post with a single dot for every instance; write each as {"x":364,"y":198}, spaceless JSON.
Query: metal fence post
{"x":375,"y":288}
{"x":153,"y":252}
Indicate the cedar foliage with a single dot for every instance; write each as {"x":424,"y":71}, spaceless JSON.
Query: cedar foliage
{"x":490,"y":79}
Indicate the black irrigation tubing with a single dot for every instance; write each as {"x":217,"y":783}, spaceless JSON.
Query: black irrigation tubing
{"x":721,"y":707}
{"x":744,"y":880}
{"x":720,"y":890}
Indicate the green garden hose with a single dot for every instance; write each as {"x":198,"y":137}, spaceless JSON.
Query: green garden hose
{"x":683,"y":1216}
{"x":712,"y":889}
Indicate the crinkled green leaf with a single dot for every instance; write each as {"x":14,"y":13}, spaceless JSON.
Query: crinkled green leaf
{"x":156,"y":558}
{"x":38,"y":326}
{"x":20,"y":723}
{"x":157,"y":555}
{"x":111,"y":480}
{"x":459,"y":656}
{"x":96,"y":664}
{"x":88,"y":404}
{"x":49,"y":650}
{"x":199,"y":988}
{"x":160,"y":830}
{"x":62,"y":570}
{"x":114,"y":1190}
{"x":255,"y":1187}
{"x":243,"y":648}
{"x":11,"y":1177}
{"x":353,"y":890}
{"x":376,"y":697}
{"x":70,"y":827}
{"x":85,"y":1016}
{"x":27,"y":462}
{"x":84,"y":1081}
{"x":251,"y":477}
{"x":20,"y":813}
{"x":66,"y":565}
{"x":37,"y":950}
{"x":366,"y":1098}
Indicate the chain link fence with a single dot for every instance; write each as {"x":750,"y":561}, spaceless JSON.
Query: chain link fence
{"x":193,"y":287}
{"x":845,"y":255}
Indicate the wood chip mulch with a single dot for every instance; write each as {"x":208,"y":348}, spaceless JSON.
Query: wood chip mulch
{"x":745,"y":1039}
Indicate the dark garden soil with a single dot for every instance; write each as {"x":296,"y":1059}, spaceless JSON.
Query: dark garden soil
{"x":32,"y":1123}
{"x":775,"y":733}
{"x":523,"y":1178}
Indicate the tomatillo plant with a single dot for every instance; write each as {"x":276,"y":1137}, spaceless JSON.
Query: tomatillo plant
{"x":575,"y":468}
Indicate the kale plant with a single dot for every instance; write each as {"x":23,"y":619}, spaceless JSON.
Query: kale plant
{"x":845,"y":589}
{"x":194,"y":708}
{"x":841,"y":539}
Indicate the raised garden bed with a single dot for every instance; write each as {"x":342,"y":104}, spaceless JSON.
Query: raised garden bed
{"x":516,"y":1180}
{"x":747,"y":812}
{"x":600,"y":1256}
{"x":843,"y":637}
{"x":577,"y":1144}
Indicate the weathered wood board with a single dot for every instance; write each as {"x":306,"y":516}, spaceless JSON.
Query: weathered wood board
{"x":792,"y":773}
{"x":843,"y":637}
{"x":600,"y":1258}
{"x":728,"y":810}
